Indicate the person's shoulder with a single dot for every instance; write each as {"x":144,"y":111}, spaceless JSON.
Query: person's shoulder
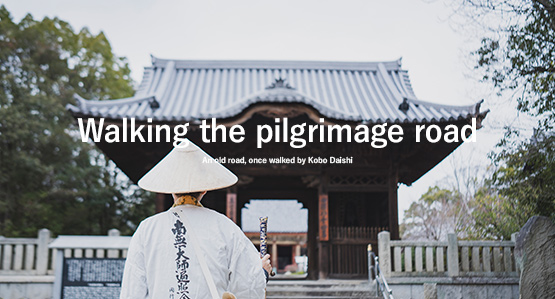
{"x":213,"y":213}
{"x":157,"y":216}
{"x":152,"y":220}
{"x":221,"y":216}
{"x":222,"y":220}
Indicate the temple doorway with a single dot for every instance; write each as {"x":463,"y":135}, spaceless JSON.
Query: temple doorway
{"x":287,"y":233}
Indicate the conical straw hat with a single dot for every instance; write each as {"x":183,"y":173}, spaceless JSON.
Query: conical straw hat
{"x":187,"y":169}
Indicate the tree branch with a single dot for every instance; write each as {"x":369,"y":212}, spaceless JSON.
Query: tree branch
{"x":539,"y":69}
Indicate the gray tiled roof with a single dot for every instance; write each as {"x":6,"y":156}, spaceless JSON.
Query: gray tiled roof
{"x":284,"y":216}
{"x":187,"y":90}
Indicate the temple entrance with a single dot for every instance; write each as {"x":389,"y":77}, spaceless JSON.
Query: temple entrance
{"x":287,"y":233}
{"x":357,"y":209}
{"x":356,"y":218}
{"x":299,"y":250}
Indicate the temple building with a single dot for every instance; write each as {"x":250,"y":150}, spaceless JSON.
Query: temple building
{"x":348,"y":203}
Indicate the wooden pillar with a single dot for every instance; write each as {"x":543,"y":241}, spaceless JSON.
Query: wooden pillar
{"x":160,"y":202}
{"x":296,"y":252}
{"x":312,"y":237}
{"x":323,"y":231}
{"x":274,"y":255}
{"x":231,"y":204}
{"x":393,"y":206}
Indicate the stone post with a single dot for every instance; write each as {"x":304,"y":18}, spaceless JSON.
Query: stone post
{"x":430,"y":291}
{"x":384,"y":253}
{"x":514,"y":236}
{"x":114,"y":232}
{"x":113,"y":253}
{"x":452,"y":255}
{"x":42,"y":251}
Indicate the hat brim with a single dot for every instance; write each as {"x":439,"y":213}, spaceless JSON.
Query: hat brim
{"x":186,"y":170}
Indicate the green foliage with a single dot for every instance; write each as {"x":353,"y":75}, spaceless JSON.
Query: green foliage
{"x":524,"y":57}
{"x":48,"y":178}
{"x":518,"y":57}
{"x":521,"y":59}
{"x":527,"y":174}
{"x":522,"y":186}
{"x":496,"y":217}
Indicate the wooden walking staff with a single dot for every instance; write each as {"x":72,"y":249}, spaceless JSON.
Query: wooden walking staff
{"x":264,"y":239}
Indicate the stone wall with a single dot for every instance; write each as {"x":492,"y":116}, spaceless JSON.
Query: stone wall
{"x":460,"y":288}
{"x":26,"y":286}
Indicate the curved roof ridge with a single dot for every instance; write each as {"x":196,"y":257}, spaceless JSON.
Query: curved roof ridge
{"x":84,"y":104}
{"x":446,"y":106}
{"x":278,"y":64}
{"x":279,"y":95}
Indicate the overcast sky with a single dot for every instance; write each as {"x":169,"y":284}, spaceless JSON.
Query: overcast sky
{"x":435,"y":49}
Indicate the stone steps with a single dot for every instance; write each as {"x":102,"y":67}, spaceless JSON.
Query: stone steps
{"x":320,"y":289}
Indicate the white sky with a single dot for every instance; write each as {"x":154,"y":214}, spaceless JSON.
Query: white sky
{"x":436,"y":55}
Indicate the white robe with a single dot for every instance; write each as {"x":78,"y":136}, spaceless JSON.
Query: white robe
{"x":161,"y":262}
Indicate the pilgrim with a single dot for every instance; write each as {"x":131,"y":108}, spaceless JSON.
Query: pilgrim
{"x":190,"y":251}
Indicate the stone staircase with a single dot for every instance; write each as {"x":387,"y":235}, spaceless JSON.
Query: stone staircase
{"x":322,"y":289}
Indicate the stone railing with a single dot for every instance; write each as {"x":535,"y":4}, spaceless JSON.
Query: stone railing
{"x":27,"y":256}
{"x":31,"y":268}
{"x":451,"y":258}
{"x":35,"y":256}
{"x":113,"y":246}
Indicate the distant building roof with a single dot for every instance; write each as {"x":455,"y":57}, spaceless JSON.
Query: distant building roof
{"x":284,"y":216}
{"x":187,"y":90}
